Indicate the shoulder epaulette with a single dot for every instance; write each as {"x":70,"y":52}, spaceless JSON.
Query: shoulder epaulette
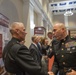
{"x":73,"y":38}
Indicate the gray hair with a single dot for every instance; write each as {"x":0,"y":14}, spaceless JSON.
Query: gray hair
{"x":14,"y":25}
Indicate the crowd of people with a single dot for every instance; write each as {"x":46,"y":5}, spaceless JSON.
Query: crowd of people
{"x":20,"y":60}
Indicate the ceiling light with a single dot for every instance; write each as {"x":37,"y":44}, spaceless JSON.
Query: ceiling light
{"x":68,"y":13}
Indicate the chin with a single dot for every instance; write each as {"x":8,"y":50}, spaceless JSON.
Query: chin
{"x":22,"y":39}
{"x":57,"y":38}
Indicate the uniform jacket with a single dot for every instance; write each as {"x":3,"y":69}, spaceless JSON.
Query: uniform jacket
{"x":65,"y":55}
{"x":18,"y":60}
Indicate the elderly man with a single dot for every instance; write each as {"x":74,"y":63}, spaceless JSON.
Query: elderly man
{"x":16,"y":56}
{"x":64,"y":48}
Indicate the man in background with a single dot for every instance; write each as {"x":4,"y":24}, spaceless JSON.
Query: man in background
{"x":35,"y":52}
{"x":49,"y":34}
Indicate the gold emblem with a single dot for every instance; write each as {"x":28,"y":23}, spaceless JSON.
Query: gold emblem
{"x":62,"y":43}
{"x":62,"y":56}
{"x":63,"y":62}
{"x":70,"y":52}
{"x":62,"y":49}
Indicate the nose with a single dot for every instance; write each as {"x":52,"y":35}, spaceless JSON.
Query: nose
{"x":25,"y":32}
{"x":53,"y":32}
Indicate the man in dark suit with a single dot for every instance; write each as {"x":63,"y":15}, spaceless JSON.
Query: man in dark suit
{"x":17,"y":58}
{"x":39,"y":44}
{"x":35,"y":50}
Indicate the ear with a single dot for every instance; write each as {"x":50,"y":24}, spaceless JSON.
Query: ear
{"x":17,"y":31}
{"x":63,"y":30}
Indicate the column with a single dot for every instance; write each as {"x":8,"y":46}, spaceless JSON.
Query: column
{"x":66,"y":22}
{"x":32,"y":25}
{"x":26,"y":20}
{"x":40,"y":20}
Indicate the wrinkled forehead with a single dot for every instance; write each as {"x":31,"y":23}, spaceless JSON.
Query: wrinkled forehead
{"x":56,"y":27}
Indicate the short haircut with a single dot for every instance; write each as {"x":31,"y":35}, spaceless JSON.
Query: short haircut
{"x":13,"y":26}
{"x":34,"y":37}
{"x":49,"y":33}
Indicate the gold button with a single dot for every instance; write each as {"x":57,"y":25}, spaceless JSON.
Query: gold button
{"x":62,"y":43}
{"x":62,"y":49}
{"x":70,"y":52}
{"x":62,"y":56}
{"x":63,"y":62}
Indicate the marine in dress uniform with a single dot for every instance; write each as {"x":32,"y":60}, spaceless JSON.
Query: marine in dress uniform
{"x":65,"y":55}
{"x":64,"y":48}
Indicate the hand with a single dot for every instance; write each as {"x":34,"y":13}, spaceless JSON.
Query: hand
{"x":71,"y":73}
{"x":46,"y":57}
{"x":50,"y":73}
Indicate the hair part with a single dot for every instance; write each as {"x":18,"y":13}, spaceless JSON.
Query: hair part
{"x":49,"y":33}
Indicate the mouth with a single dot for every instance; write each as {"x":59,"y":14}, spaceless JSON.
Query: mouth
{"x":54,"y":36}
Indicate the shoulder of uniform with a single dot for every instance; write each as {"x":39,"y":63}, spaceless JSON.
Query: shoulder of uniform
{"x":74,"y":38}
{"x":17,"y":42}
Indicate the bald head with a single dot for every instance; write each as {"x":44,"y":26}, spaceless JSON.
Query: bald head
{"x":59,"y":31}
{"x":59,"y":25}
